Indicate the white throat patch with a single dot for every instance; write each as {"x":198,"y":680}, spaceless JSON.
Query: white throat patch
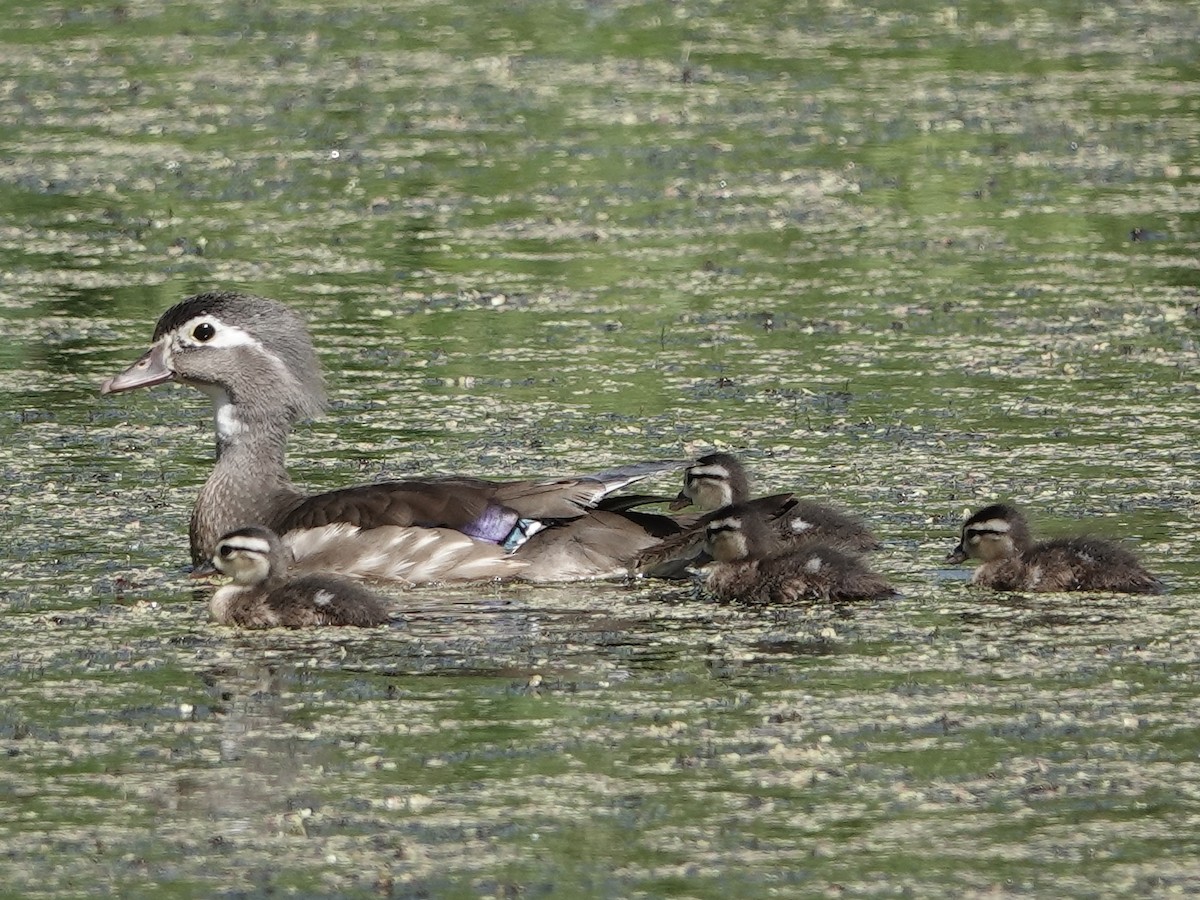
{"x":229,"y":426}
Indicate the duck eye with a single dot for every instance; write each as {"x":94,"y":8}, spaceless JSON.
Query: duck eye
{"x":204,"y":332}
{"x":225,"y":550}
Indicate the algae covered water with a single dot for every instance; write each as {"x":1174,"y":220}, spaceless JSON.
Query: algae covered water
{"x":908,"y":259}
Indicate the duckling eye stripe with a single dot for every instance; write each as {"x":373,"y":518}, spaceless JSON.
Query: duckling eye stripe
{"x":724,"y":525}
{"x":246,"y":545}
{"x":991,"y":526}
{"x":712,"y":473}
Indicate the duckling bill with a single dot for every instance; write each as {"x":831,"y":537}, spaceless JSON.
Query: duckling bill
{"x":752,"y":565}
{"x":263,"y":596}
{"x":998,"y":536}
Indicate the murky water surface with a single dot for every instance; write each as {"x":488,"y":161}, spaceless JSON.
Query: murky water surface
{"x":908,"y":258}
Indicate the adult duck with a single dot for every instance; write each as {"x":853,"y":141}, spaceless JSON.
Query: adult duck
{"x":255,"y":361}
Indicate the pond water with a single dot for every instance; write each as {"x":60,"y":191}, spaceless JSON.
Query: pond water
{"x":909,"y":258}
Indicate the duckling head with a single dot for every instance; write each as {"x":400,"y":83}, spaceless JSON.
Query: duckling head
{"x":250,"y":556}
{"x":992,"y":533}
{"x":738,"y":533}
{"x":713,"y":481}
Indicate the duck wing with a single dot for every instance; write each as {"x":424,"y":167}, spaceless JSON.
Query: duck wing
{"x":420,"y":503}
{"x":568,"y":498}
{"x":480,"y":509}
{"x":602,"y":544}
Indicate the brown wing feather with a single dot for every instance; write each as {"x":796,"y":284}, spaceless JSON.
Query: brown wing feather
{"x":458,"y":501}
{"x":403,"y":503}
{"x":564,"y":498}
{"x":602,"y":545}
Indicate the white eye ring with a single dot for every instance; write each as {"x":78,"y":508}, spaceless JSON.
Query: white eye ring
{"x":209,"y":331}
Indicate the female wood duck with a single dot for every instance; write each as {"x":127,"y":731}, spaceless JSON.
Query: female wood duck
{"x":262,"y":595}
{"x":720,"y":479}
{"x":254,"y":359}
{"x":752,"y":564}
{"x":998,"y":536}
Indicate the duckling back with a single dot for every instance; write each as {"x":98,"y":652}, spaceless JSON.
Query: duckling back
{"x":803,"y":573}
{"x":1070,"y":564}
{"x":316,"y":600}
{"x":804,"y":519}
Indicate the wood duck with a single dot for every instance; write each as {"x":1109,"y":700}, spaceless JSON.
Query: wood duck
{"x":752,"y":564}
{"x":255,"y":361}
{"x":998,"y":536}
{"x":718,"y":480}
{"x":262,"y":595}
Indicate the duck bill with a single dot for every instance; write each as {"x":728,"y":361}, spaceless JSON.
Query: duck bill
{"x":204,"y":570}
{"x":957,"y":555}
{"x":150,"y":369}
{"x":680,"y":502}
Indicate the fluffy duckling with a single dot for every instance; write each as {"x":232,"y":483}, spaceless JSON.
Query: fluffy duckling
{"x":752,"y":564}
{"x":998,"y":536}
{"x":262,"y":596}
{"x":719,"y":479}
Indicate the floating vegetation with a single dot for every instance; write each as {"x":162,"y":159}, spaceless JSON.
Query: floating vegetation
{"x":909,"y":261}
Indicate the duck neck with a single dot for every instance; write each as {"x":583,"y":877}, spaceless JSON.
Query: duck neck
{"x":249,"y":484}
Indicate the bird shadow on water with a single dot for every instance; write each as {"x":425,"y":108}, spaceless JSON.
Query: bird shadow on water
{"x":1019,"y":613}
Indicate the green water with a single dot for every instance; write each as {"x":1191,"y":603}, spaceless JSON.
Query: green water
{"x":883,"y":252}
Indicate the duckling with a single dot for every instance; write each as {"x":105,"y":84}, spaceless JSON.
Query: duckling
{"x":752,"y":564}
{"x":998,"y":536}
{"x":262,"y":596}
{"x":254,"y":359}
{"x":719,"y":479}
